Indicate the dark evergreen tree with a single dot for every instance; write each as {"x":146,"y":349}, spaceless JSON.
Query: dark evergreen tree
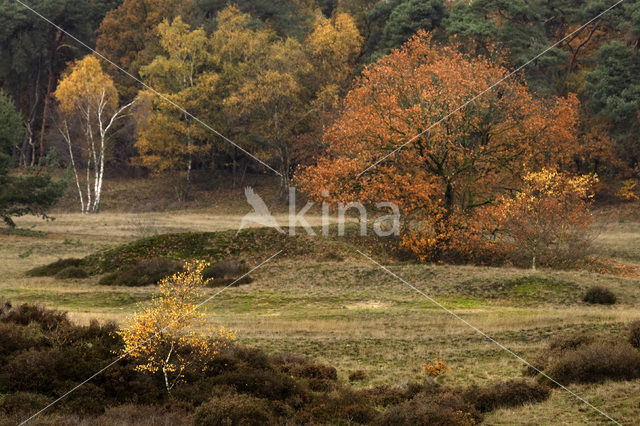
{"x":29,"y":193}
{"x":11,"y":125}
{"x":409,"y":17}
{"x":612,"y":90}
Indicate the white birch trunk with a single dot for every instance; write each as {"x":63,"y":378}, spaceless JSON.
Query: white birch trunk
{"x":96,"y":152}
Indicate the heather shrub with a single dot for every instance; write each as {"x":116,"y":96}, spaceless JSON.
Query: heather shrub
{"x":54,"y":267}
{"x":140,"y":415}
{"x":570,"y":341}
{"x":321,"y":385}
{"x":511,"y":393}
{"x":268,"y":384}
{"x":25,"y":314}
{"x":357,"y":375}
{"x":304,"y":368}
{"x":445,"y":408}
{"x":18,"y":338}
{"x":634,"y":334}
{"x":341,"y":404}
{"x":227,"y":271}
{"x":234,"y":409}
{"x":147,"y":272}
{"x":597,"y":362}
{"x":23,"y":404}
{"x":88,"y":399}
{"x":558,"y":346}
{"x":71,"y":272}
{"x":43,"y":355}
{"x":396,"y":394}
{"x":599,"y":296}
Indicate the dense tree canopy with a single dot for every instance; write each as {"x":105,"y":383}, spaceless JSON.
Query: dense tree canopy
{"x":34,"y":54}
{"x":272,"y":76}
{"x":458,"y":165}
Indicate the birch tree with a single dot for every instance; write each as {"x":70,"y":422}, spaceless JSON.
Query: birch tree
{"x":88,"y":98}
{"x":170,"y":335}
{"x":170,"y":140}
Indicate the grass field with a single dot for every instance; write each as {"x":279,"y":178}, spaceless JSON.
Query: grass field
{"x":354,"y":316}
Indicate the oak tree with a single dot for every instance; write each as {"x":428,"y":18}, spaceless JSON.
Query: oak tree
{"x":457,"y":160}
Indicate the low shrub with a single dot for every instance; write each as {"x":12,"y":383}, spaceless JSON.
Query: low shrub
{"x":143,"y":273}
{"x":570,"y":341}
{"x":26,"y":314}
{"x":260,"y":383}
{"x":88,"y":399}
{"x":72,"y":272}
{"x":227,"y":271}
{"x":357,"y":375}
{"x":53,"y":268}
{"x":42,"y":355}
{"x":634,"y":334}
{"x":511,"y":393}
{"x":341,"y":404}
{"x":446,"y":408}
{"x":396,"y":394}
{"x":599,"y":296}
{"x":321,"y":385}
{"x":15,"y":339}
{"x":305,"y":368}
{"x":23,"y":404}
{"x":234,"y":409}
{"x":597,"y":362}
{"x":140,"y":415}
{"x":332,"y":256}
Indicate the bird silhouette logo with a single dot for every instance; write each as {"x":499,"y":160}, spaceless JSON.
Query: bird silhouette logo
{"x":260,"y":214}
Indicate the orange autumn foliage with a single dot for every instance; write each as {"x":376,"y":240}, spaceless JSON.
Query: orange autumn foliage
{"x":443,"y":177}
{"x":437,"y":368}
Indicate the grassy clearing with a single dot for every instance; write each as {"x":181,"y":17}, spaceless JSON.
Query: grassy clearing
{"x":352,"y":315}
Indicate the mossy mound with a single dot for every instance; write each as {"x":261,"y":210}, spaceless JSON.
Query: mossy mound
{"x":142,"y":273}
{"x":140,"y":262}
{"x":525,"y":288}
{"x":55,"y":267}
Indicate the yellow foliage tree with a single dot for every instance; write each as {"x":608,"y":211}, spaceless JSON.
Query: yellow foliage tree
{"x":334,"y":46}
{"x":87,"y":96}
{"x":170,"y":334}
{"x":550,"y":211}
{"x":169,"y":139}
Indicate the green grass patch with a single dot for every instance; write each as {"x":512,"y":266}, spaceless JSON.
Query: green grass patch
{"x":79,"y":300}
{"x":526,"y":288}
{"x":23,"y":232}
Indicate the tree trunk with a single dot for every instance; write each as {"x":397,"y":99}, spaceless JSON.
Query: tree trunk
{"x":45,"y":113}
{"x":448,"y":198}
{"x":284,"y":178}
{"x":47,"y":97}
{"x":67,"y":137}
{"x":9,"y":221}
{"x":165,"y":372}
{"x":27,"y":142}
{"x":234,"y":169}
